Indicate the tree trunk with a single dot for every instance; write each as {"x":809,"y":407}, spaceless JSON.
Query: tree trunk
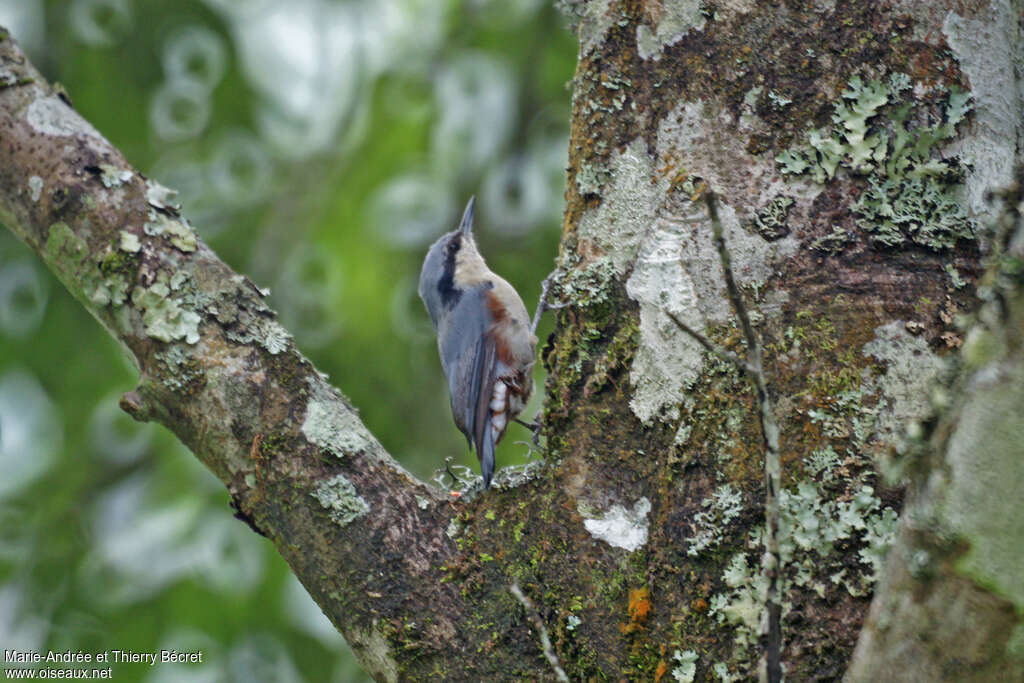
{"x":850,"y":145}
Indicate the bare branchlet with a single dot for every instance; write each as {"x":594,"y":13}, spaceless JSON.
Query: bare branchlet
{"x":542,"y":631}
{"x":543,"y":305}
{"x":752,"y":367}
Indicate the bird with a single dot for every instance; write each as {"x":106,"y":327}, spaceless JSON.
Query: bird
{"x":484,"y":338}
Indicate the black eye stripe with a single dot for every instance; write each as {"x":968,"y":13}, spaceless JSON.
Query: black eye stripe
{"x":450,"y":294}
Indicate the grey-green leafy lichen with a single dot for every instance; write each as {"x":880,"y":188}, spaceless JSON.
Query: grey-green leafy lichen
{"x":832,"y":243}
{"x":911,"y":193}
{"x":180,"y":368}
{"x":341,"y":500}
{"x":112,"y":176}
{"x":248,"y":320}
{"x":587,"y":286}
{"x":266,"y":332}
{"x":811,"y":525}
{"x":110,"y":291}
{"x":515,"y":476}
{"x":711,"y":523}
{"x":332,"y":424}
{"x":686,"y":666}
{"x":174,"y":230}
{"x":163,"y":314}
{"x":770,"y":220}
{"x":160,"y":197}
{"x":63,"y":244}
{"x":129,"y":242}
{"x":591,"y":178}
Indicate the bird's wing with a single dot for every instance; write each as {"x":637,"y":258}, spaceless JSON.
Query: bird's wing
{"x":469,"y":359}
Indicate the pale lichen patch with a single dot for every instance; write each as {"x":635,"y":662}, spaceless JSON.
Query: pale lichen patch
{"x":341,"y":500}
{"x":911,"y":367}
{"x":35,"y":187}
{"x":332,"y":424}
{"x":595,"y":20}
{"x":50,"y":116}
{"x":113,"y":176}
{"x":677,"y":267}
{"x":174,"y":230}
{"x":683,"y":144}
{"x":374,"y":654}
{"x":676,"y":20}
{"x":986,"y":47}
{"x":129,"y":242}
{"x":160,"y":197}
{"x":628,"y":204}
{"x":667,"y":359}
{"x":163,"y":315}
{"x":621,"y":527}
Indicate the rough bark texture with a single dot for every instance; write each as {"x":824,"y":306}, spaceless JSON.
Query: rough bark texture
{"x":950,"y":604}
{"x":834,"y":134}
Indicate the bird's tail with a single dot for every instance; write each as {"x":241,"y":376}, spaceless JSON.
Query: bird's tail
{"x":485,"y":451}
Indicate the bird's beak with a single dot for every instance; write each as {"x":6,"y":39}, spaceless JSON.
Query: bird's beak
{"x":466,"y":225}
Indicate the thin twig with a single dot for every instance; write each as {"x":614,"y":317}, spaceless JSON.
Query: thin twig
{"x":542,"y":631}
{"x":753,"y":368}
{"x":771,"y":560}
{"x":753,"y":346}
{"x":543,"y":305}
{"x":711,"y":346}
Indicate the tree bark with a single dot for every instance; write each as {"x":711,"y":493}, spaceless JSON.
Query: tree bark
{"x":836,"y":136}
{"x":949,"y":603}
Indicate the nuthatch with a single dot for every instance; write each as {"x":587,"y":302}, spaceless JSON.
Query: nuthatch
{"x":484,"y":338}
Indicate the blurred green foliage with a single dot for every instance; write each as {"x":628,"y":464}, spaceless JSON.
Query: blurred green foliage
{"x":319,"y":147}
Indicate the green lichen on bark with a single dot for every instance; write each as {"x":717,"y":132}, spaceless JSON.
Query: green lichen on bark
{"x":341,"y":500}
{"x":770,"y":220}
{"x":911,"y":192}
{"x":173,"y":229}
{"x":65,"y":249}
{"x":164,"y":315}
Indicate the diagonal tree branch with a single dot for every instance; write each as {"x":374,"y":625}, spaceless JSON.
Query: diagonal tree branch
{"x":363,"y":536}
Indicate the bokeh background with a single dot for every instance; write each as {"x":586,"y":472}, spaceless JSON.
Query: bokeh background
{"x":319,"y":146}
